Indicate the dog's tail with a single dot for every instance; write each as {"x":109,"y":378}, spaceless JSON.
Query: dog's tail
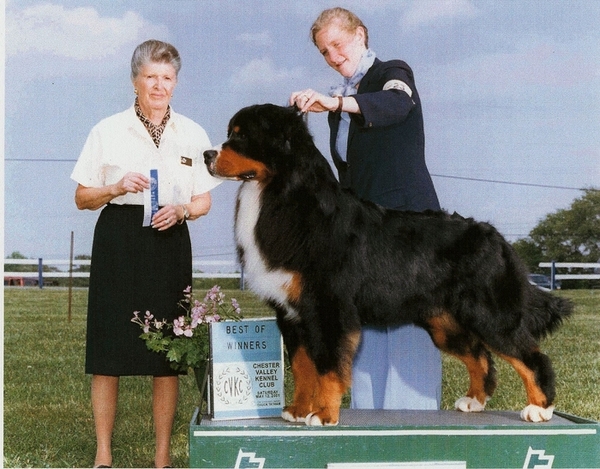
{"x":548,"y":312}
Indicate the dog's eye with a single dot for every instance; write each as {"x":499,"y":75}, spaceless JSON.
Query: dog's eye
{"x":235,"y":133}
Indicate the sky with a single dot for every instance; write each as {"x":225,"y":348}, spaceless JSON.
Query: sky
{"x":510,"y":92}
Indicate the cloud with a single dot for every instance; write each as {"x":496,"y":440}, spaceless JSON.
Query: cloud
{"x":539,"y":63}
{"x":422,"y":12}
{"x":54,"y":34}
{"x":256,"y":39}
{"x":261,"y":73}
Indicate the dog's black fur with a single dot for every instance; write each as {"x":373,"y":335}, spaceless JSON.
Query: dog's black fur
{"x":329,"y":263}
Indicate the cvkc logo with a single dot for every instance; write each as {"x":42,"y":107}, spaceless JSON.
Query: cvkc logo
{"x":233,"y":386}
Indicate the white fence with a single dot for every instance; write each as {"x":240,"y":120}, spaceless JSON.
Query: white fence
{"x":571,"y":265}
{"x":234,"y":268}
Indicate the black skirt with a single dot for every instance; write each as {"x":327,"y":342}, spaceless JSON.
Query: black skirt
{"x":134,"y":268}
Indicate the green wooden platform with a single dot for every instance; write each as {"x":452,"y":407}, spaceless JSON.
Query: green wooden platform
{"x":398,"y":439}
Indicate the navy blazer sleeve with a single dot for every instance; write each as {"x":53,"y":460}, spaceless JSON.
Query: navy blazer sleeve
{"x":386,"y":144}
{"x":379,"y":107}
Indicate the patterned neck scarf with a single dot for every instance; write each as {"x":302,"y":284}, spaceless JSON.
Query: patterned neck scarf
{"x":154,"y":130}
{"x":349,"y":88}
{"x":350,"y":85}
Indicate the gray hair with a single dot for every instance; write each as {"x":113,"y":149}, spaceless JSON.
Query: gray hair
{"x":154,"y":51}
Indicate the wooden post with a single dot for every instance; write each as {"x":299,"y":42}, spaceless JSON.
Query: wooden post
{"x":70,"y":278}
{"x":40,"y":272}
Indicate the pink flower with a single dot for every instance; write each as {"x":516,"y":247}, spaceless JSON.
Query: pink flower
{"x":236,"y":306}
{"x":214,"y":295}
{"x":178,"y":326}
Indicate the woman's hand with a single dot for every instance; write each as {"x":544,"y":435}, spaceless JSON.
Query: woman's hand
{"x":169,"y":215}
{"x":132,"y":182}
{"x":311,"y":101}
{"x":166,"y":217}
{"x":92,"y":198}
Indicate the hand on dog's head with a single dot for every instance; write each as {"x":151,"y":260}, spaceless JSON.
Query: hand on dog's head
{"x":304,"y":115}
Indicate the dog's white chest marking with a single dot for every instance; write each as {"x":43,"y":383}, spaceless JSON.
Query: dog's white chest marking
{"x":270,"y":284}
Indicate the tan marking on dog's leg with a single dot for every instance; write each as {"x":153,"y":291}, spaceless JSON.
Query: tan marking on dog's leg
{"x":305,"y":387}
{"x":443,"y":328}
{"x":440,"y":327}
{"x":535,"y":395}
{"x":537,"y":409}
{"x":294,"y":288}
{"x":332,"y":386}
{"x":478,"y":370}
{"x":350,"y":346}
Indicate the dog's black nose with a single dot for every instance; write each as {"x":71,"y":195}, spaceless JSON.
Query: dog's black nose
{"x":209,"y":156}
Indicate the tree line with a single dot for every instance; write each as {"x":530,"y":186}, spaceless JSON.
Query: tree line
{"x":567,"y":235}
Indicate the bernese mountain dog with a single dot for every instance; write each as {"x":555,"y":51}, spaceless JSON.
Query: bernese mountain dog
{"x":329,"y":263}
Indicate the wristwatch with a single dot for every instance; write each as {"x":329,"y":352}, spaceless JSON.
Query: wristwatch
{"x":186,"y":215}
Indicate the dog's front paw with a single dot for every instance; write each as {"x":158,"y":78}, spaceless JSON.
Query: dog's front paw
{"x":534,"y":413}
{"x":286,"y":415}
{"x":469,"y":404}
{"x":319,"y":419}
{"x":292,"y":414}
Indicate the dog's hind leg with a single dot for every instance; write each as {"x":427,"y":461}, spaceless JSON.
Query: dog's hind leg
{"x":482,"y":379}
{"x":537,"y":374}
{"x":451,"y":338}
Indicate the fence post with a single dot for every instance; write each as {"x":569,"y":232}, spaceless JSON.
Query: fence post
{"x":242,"y":280}
{"x":40,"y":272}
{"x":69,"y":307}
{"x":553,"y":275}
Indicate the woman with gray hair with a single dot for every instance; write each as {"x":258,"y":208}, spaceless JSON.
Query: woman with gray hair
{"x":141,"y":254}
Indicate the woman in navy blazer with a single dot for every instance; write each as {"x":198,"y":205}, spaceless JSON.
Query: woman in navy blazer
{"x":377,"y":144}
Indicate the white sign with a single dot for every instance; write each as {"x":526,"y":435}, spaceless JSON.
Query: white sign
{"x":247,"y":369}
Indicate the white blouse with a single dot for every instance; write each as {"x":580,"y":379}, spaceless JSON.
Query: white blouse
{"x":120,"y":144}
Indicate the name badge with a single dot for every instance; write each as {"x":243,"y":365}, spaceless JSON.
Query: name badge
{"x":186,"y":161}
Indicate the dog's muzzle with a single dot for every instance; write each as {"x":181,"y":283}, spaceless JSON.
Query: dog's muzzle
{"x":210,"y":156}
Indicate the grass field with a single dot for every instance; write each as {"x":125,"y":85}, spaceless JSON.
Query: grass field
{"x":47,"y":414}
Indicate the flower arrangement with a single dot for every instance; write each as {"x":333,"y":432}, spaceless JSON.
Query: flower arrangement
{"x":187,"y":346}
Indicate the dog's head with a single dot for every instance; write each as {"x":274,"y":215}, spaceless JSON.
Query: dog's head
{"x":262,"y":141}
